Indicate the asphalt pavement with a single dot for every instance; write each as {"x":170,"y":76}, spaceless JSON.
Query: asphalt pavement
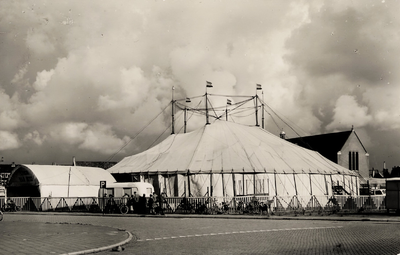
{"x":23,"y":236}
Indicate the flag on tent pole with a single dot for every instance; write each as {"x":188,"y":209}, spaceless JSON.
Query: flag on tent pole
{"x":209,"y":84}
{"x":259,"y":86}
{"x":228,"y":102}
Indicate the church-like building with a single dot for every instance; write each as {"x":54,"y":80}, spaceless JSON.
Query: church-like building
{"x":344,"y":148}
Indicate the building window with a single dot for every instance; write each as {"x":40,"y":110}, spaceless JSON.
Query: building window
{"x":353,"y":160}
{"x":350,"y":165}
{"x":356,"y":159}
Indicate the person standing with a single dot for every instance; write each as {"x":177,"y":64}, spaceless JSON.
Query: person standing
{"x":142,"y":204}
{"x":135,"y":202}
{"x":151,"y":204}
{"x":155,"y":197}
{"x":160,"y":209}
{"x":130,"y":204}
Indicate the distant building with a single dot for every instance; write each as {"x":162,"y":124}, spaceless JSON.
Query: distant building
{"x":395,"y":171}
{"x":99,"y":164}
{"x":376,"y":173}
{"x":344,"y":148}
{"x":5,"y":172}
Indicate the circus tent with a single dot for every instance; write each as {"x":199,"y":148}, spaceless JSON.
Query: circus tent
{"x":226,"y":159}
{"x":56,"y":181}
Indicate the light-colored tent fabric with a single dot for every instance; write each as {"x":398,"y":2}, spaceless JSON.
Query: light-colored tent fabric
{"x":226,"y":146}
{"x":239,"y":152}
{"x":59,"y":181}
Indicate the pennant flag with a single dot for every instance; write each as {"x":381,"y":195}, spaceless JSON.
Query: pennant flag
{"x":228,"y":102}
{"x":209,"y":84}
{"x":259,"y":86}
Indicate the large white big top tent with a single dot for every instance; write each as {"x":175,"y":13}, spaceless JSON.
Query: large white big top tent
{"x":225,"y":159}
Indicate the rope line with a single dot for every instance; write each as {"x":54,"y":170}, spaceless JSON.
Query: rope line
{"x":126,"y":144}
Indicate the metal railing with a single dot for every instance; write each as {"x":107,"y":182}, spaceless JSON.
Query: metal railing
{"x":205,"y":205}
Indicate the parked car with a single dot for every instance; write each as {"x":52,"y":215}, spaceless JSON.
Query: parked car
{"x":378,"y":192}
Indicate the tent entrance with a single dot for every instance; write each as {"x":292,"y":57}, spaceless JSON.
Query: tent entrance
{"x":23,"y":191}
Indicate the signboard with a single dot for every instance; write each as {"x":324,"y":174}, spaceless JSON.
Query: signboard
{"x":103,"y":184}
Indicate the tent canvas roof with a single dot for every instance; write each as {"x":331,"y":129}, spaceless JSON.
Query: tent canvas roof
{"x":227,"y":147}
{"x":72,"y":175}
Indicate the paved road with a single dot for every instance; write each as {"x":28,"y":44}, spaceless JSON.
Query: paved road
{"x":167,"y":235}
{"x":238,"y":236}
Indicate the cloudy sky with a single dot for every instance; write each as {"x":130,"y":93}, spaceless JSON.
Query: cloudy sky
{"x":84,"y":78}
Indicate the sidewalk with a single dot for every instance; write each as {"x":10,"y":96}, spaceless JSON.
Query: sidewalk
{"x":332,"y":217}
{"x":341,"y":216}
{"x":58,"y":238}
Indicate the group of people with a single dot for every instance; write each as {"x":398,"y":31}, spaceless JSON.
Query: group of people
{"x":136,"y":204}
{"x":142,"y":205}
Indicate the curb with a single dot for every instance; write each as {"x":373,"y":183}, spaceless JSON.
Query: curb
{"x":108,"y":247}
{"x":384,"y":218}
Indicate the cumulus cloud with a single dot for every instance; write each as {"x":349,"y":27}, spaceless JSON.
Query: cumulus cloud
{"x":96,"y":137}
{"x":344,"y":56}
{"x":100,"y":138}
{"x":34,"y":137}
{"x":9,"y":140}
{"x":39,"y":43}
{"x":88,"y":76}
{"x":132,"y":88}
{"x":347,"y":113}
{"x":42,"y":79}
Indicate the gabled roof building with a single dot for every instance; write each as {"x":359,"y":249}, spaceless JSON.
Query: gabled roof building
{"x":343,"y":148}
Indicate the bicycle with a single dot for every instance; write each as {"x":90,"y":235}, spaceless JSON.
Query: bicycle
{"x":124,"y":209}
{"x":11,"y":208}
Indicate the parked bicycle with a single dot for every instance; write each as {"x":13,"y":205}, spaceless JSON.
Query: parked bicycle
{"x":10,"y":206}
{"x":113,"y":207}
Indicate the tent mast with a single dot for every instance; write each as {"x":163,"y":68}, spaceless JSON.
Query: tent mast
{"x":69,"y":174}
{"x":173,"y":117}
{"x":185,"y":120}
{"x":258,"y":87}
{"x":207,"y":122}
{"x":208,"y":85}
{"x":262,"y":107}
{"x":256,"y":97}
{"x":228,"y":102}
{"x":69,"y":179}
